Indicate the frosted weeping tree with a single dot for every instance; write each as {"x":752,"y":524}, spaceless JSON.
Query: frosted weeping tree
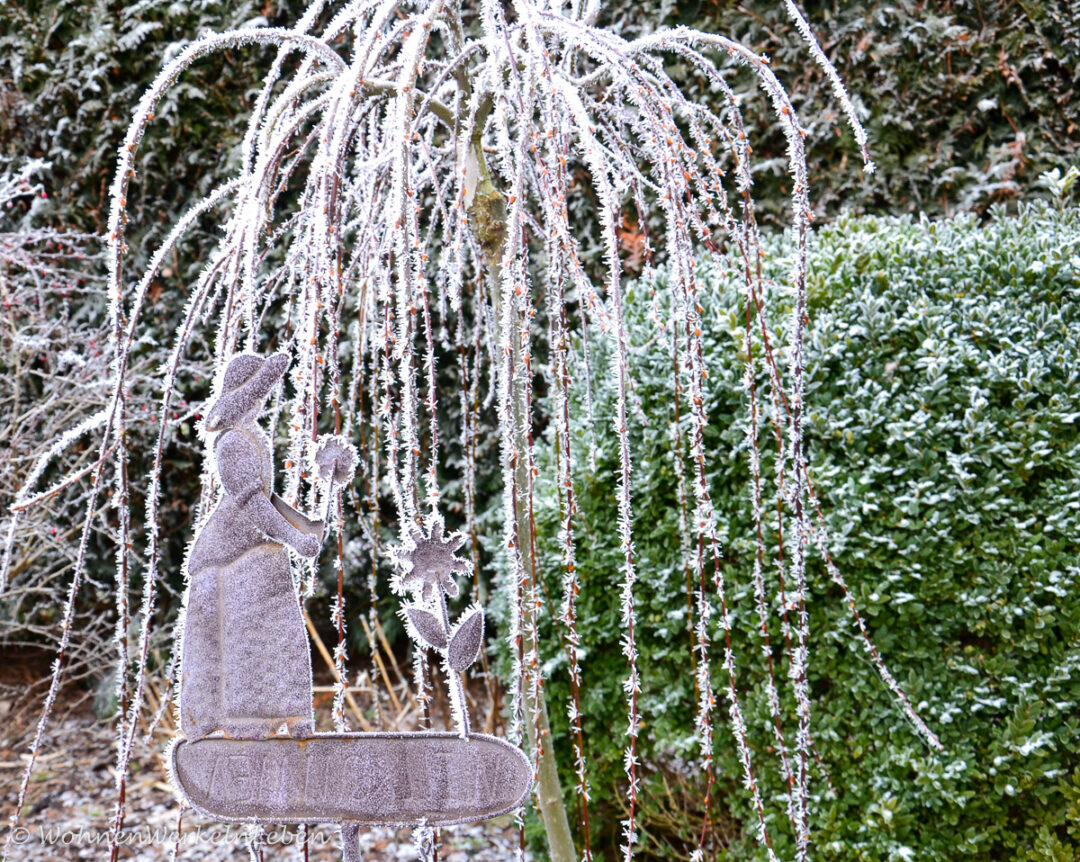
{"x":401,"y":217}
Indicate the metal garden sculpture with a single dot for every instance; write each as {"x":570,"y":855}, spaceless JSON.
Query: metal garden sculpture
{"x":248,"y":750}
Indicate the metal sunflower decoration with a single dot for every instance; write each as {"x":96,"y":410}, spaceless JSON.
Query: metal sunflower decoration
{"x":427,"y":564}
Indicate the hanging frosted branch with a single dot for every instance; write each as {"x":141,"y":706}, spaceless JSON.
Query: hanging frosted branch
{"x":568,"y":507}
{"x":820,"y":537}
{"x":839,"y":91}
{"x":58,"y":663}
{"x":754,"y":457}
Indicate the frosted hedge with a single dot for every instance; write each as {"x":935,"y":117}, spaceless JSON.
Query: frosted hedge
{"x":943,"y":425}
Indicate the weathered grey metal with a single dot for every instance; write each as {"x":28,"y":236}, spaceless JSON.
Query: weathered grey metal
{"x":245,"y":666}
{"x":350,"y":843}
{"x":428,"y":563}
{"x":438,"y":779}
{"x":335,"y":460}
{"x":465,"y":642}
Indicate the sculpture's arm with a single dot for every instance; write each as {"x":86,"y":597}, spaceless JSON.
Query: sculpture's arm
{"x":298,"y":519}
{"x":261,"y":511}
{"x":239,"y":463}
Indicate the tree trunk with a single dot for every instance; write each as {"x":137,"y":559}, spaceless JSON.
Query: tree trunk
{"x":487,"y":210}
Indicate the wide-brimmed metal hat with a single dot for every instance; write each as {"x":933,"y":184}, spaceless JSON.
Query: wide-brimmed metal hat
{"x":247,"y":381}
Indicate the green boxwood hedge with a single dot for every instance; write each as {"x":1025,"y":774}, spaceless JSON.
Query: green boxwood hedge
{"x":944,"y":437}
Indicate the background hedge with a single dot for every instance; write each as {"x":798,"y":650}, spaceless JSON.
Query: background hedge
{"x":966,"y":101}
{"x":944,"y":437}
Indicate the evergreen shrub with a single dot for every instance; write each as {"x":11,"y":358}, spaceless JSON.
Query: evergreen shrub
{"x":944,"y":439}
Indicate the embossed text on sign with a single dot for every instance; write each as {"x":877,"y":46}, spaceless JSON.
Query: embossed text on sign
{"x":440,"y":779}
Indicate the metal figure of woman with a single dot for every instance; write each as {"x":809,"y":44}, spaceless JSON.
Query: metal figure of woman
{"x":245,"y":666}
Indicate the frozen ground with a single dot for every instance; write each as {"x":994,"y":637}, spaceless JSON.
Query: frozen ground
{"x":70,"y":803}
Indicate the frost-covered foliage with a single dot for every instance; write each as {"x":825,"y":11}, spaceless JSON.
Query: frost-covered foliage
{"x":53,"y":383}
{"x":70,"y":72}
{"x":943,"y":430}
{"x":966,"y":102}
{"x":398,"y":213}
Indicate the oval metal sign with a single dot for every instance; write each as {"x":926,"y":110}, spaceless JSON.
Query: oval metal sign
{"x":438,"y":779}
